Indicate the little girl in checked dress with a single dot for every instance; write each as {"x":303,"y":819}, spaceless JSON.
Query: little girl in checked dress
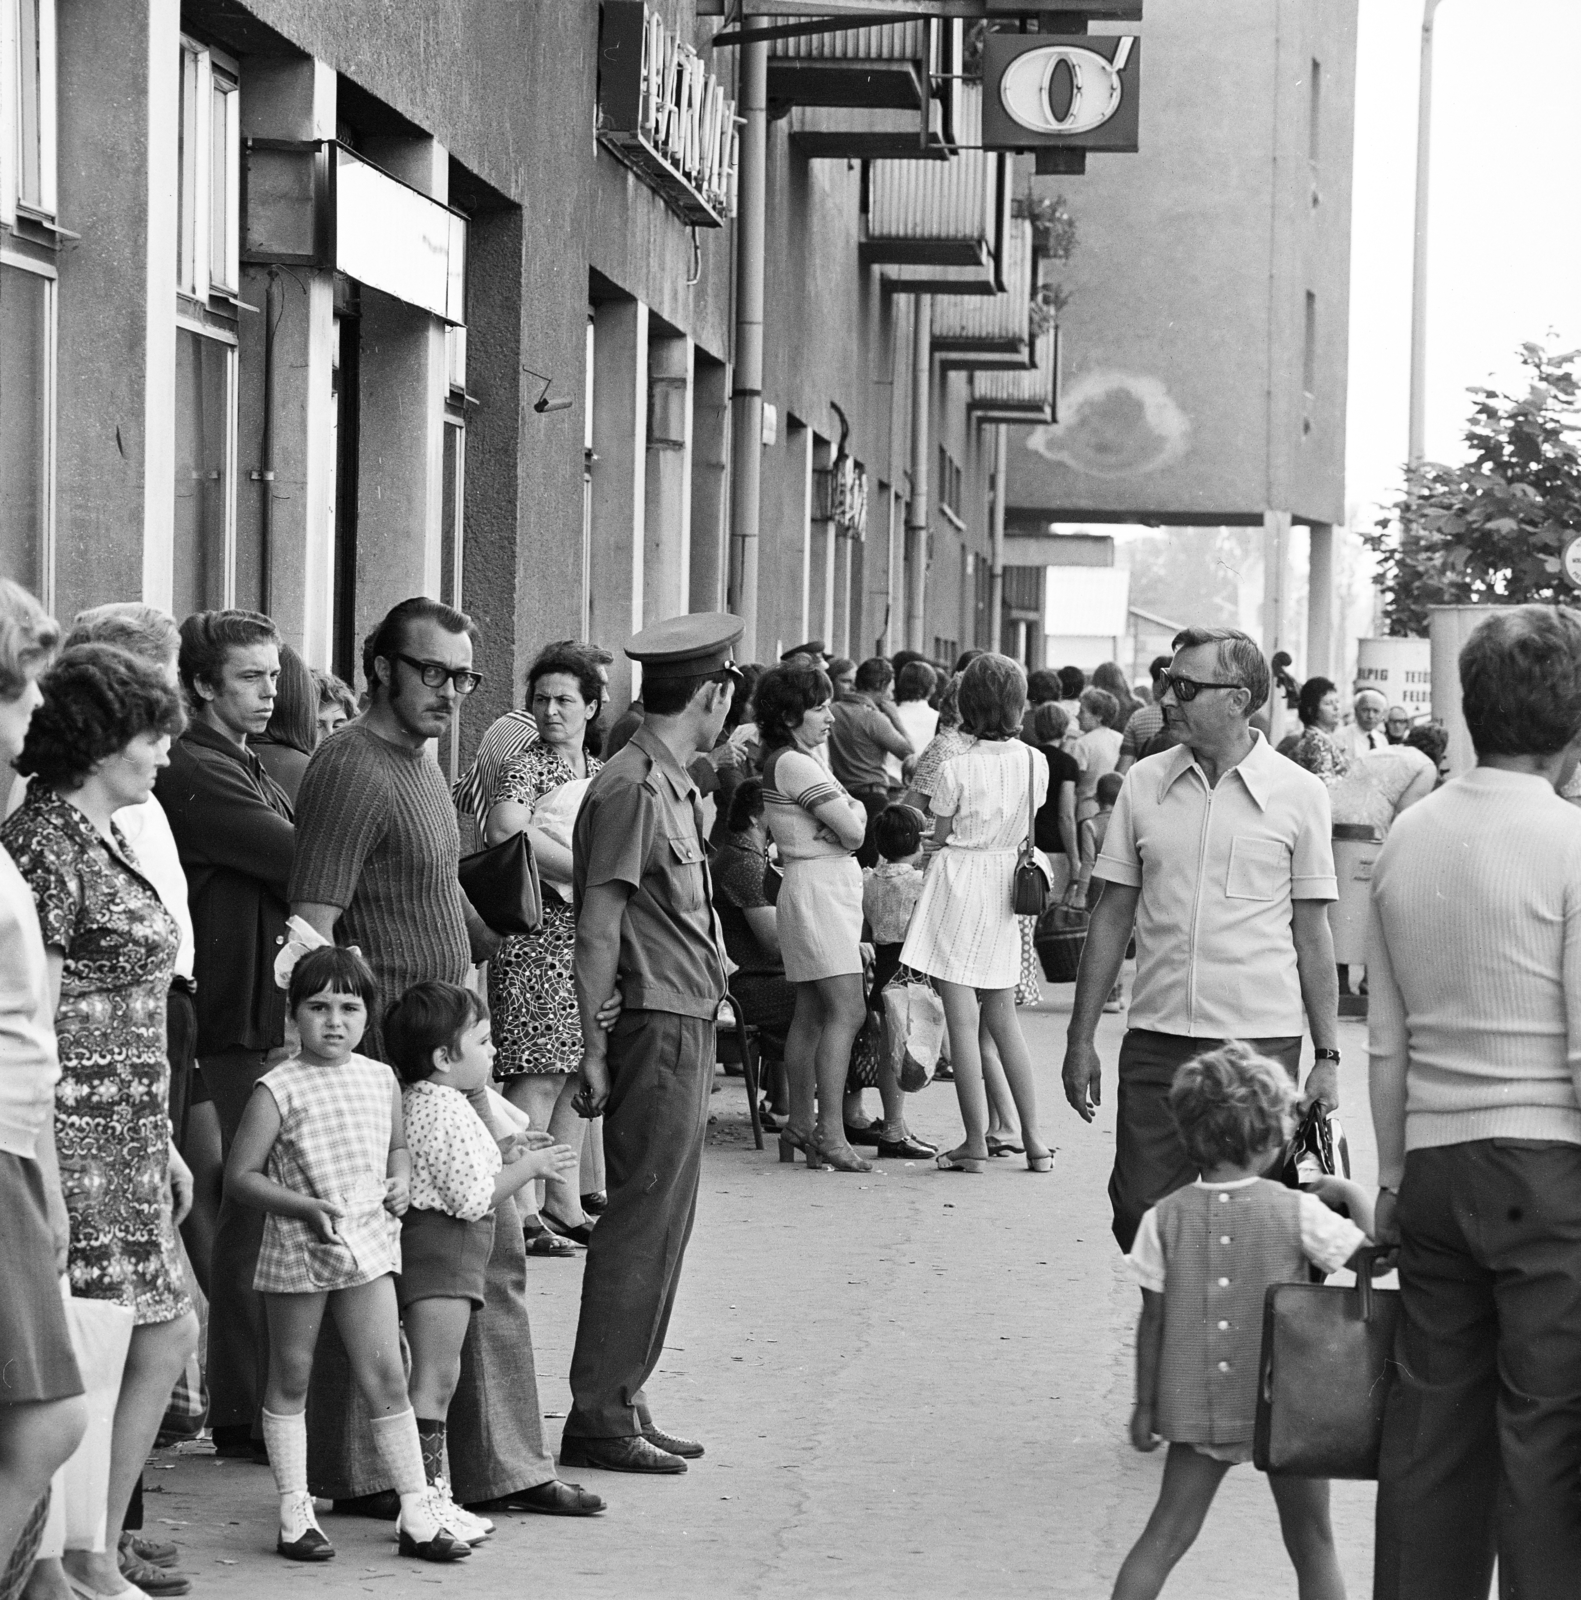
{"x":321,"y":1150}
{"x":1204,"y":1257}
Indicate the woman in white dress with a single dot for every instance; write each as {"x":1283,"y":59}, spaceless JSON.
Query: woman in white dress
{"x":964,"y":932}
{"x":818,"y":828}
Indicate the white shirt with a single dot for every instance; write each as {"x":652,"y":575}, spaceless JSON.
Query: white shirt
{"x":146,"y":829}
{"x":1218,"y":869}
{"x":921,"y":722}
{"x":1327,"y":1239}
{"x":1355,"y":743}
{"x":454,"y":1157}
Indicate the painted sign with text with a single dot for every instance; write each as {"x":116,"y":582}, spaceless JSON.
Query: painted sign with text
{"x":1045,"y":91}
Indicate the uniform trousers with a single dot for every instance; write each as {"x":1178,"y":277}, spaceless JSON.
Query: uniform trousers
{"x":661,"y":1071}
{"x":1149,"y":1159}
{"x":1482,"y":1427}
{"x":238,"y":1349}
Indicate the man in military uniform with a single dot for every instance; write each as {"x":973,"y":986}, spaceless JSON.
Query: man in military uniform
{"x":645,"y":925}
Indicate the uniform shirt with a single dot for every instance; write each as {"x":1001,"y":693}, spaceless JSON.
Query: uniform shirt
{"x":1219,"y":869}
{"x":454,"y":1157}
{"x":641,"y":825}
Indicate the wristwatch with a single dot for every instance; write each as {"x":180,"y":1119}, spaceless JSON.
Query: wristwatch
{"x":1326,"y":1055}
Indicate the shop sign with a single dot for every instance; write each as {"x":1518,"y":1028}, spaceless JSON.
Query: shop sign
{"x":662,"y":112}
{"x":1079,"y":92}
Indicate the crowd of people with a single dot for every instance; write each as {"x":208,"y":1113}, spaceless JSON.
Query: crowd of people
{"x":259,"y":1045}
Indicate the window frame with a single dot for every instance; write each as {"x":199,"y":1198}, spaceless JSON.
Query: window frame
{"x":41,"y":206}
{"x":186,"y":323}
{"x":42,"y":269}
{"x":207,"y":74}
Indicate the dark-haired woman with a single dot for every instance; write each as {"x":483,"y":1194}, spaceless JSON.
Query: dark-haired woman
{"x":531,"y":996}
{"x":287,"y":744}
{"x":95,"y":745}
{"x":964,"y":933}
{"x":1317,"y":750}
{"x":818,"y":828}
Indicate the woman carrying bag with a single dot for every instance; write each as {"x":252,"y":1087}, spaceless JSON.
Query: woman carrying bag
{"x":964,"y":933}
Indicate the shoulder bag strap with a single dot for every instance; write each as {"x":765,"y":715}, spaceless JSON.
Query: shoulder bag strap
{"x":1032,"y":774}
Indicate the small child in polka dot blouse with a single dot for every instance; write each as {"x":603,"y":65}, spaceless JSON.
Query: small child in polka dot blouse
{"x":438,"y":1039}
{"x":1204,"y":1257}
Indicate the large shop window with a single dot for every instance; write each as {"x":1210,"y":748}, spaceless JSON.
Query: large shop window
{"x":27,"y":305}
{"x":205,"y":544}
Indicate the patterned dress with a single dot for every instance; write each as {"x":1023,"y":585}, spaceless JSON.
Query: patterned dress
{"x":531,"y":995}
{"x":334,"y":1144}
{"x":112,"y":1114}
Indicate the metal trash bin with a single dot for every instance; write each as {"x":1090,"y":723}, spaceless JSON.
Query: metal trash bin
{"x":1356,"y":846}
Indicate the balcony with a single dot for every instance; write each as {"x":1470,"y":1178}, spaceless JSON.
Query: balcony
{"x":991,"y":332}
{"x":1030,"y":396}
{"x":868,"y":94}
{"x":941,"y":227}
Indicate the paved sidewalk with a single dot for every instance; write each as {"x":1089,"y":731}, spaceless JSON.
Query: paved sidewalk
{"x":914,"y":1384}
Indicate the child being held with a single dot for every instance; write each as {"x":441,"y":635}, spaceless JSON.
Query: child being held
{"x":438,"y":1038}
{"x":890,"y":890}
{"x":1204,"y":1256}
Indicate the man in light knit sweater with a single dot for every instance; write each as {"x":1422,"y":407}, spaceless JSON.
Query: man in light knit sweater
{"x":1474,"y":965}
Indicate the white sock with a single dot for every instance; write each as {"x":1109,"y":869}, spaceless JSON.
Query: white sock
{"x":285,"y":1438}
{"x":401,"y":1451}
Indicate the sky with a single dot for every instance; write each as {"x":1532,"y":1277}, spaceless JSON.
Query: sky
{"x":1504,"y":235}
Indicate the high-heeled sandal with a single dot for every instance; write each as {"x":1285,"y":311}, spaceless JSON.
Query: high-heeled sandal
{"x":1042,"y":1163}
{"x":841,"y":1160}
{"x":949,"y":1161}
{"x":792,"y":1142}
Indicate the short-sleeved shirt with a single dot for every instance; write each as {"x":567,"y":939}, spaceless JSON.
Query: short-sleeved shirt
{"x":889,"y":895}
{"x":1063,"y":768}
{"x":856,"y":755}
{"x":454,"y":1157}
{"x":641,"y":825}
{"x":1219,"y":869}
{"x":505,"y":739}
{"x":1140,"y":726}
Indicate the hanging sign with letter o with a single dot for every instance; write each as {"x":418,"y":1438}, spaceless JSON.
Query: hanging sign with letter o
{"x":1046,"y":90}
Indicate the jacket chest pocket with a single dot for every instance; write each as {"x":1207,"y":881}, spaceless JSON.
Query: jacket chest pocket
{"x":1259,"y":868}
{"x":683,"y":872}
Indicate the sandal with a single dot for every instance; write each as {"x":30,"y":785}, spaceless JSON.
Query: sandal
{"x":541,"y":1242}
{"x":1004,"y":1147}
{"x":1041,"y":1163}
{"x":954,"y":1161}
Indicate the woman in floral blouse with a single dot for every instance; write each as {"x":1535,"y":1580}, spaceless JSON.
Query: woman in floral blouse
{"x":1317,"y":750}
{"x":536,"y":1031}
{"x":95,"y":744}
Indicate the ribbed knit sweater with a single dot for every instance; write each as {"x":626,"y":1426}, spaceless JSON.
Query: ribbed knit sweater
{"x":376,"y":835}
{"x":1474,"y":969}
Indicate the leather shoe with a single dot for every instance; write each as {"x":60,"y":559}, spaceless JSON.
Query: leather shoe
{"x":690,"y":1449}
{"x":631,"y":1454}
{"x":868,"y":1135}
{"x":553,"y":1499}
{"x":595,"y":1204}
{"x":908,"y":1149}
{"x":383,"y":1506}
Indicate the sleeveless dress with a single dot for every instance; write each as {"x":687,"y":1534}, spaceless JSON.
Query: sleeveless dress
{"x":819,"y":910}
{"x":964,"y":930}
{"x":334,"y":1144}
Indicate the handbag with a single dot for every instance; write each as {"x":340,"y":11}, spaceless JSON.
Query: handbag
{"x":1326,"y":1368}
{"x":1030,"y":893}
{"x":502,"y":884}
{"x":1060,"y":938}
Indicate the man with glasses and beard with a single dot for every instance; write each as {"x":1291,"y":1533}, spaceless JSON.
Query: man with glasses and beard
{"x":1219,"y":853}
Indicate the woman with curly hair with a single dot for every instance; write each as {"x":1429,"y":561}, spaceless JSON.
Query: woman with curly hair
{"x":95,"y":745}
{"x":539,"y":791}
{"x":1317,"y":749}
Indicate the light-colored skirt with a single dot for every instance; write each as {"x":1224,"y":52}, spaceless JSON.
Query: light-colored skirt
{"x":963,"y":930}
{"x":819,"y":918}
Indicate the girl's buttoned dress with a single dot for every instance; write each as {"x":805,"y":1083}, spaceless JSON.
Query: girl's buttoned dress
{"x":1211,"y":1250}
{"x":964,"y":929}
{"x":334,"y":1144}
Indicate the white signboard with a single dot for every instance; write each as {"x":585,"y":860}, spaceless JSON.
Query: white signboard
{"x":1084,"y":602}
{"x":1400,"y":669}
{"x":394,"y":238}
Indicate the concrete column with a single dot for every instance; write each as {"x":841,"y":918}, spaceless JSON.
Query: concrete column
{"x":1320,"y":601}
{"x":667,"y":517}
{"x":290,"y":99}
{"x":619,"y":488}
{"x":710,"y":483}
{"x":917,"y":512}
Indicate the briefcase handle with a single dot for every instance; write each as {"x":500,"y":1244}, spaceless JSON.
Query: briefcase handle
{"x":1367,"y":1258}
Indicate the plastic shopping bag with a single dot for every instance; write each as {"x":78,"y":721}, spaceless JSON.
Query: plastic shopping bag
{"x":101,"y":1334}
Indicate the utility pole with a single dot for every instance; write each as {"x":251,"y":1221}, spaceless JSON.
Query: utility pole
{"x":1417,"y":429}
{"x":917,"y":507}
{"x":996,"y":571}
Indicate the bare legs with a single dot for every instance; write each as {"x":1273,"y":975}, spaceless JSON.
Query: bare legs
{"x":997,"y":1016}
{"x":158,"y":1352}
{"x":546,"y":1098}
{"x":1190,"y":1483}
{"x":36,"y":1437}
{"x":203,"y":1153}
{"x":828,"y":1017}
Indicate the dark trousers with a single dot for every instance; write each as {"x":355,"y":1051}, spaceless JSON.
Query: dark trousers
{"x":661,"y":1070}
{"x":238,"y":1350}
{"x":874,"y":800}
{"x":181,"y":1040}
{"x":1149,"y":1159}
{"x":1482,"y":1429}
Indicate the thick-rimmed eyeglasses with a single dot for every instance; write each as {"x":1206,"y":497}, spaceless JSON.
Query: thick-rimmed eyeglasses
{"x":1186,"y":689}
{"x":434,"y":673}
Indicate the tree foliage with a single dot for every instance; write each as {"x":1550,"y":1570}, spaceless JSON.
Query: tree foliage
{"x":1490,"y":529}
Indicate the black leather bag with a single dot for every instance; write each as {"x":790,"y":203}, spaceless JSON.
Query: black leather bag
{"x":502,"y":884}
{"x":1327,"y":1366}
{"x":1029,"y":895}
